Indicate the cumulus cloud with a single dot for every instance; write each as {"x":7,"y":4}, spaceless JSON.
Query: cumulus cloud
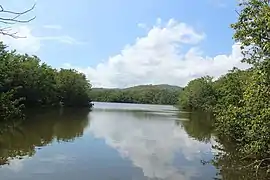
{"x":169,"y":53}
{"x":159,"y":57}
{"x":29,"y":43}
{"x":151,"y":146}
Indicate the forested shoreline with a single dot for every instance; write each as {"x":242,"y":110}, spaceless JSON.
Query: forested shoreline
{"x":143,"y":94}
{"x":26,"y":82}
{"x":239,"y":100}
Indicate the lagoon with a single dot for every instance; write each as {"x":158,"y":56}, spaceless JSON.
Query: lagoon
{"x":111,"y":142}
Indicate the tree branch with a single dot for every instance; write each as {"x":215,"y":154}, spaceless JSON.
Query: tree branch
{"x":253,"y":34}
{"x":259,"y":165}
{"x":13,"y":20}
{"x":18,"y":13}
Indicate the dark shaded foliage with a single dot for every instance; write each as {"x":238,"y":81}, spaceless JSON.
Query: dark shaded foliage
{"x":25,"y":81}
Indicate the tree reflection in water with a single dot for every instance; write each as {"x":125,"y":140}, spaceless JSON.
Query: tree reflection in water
{"x":19,"y":140}
{"x":231,"y":167}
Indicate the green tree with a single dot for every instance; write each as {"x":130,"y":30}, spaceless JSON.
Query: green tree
{"x":198,"y":94}
{"x":10,"y":107}
{"x":230,"y":87}
{"x":250,"y":118}
{"x":26,"y":81}
{"x":73,"y":88}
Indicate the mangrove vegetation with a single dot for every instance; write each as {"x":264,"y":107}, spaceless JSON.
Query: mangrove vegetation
{"x":240,"y":100}
{"x":26,"y":82}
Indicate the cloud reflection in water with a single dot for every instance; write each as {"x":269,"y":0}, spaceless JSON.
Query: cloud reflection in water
{"x":153,"y":143}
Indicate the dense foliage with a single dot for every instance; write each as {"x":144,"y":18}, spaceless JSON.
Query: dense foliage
{"x":144,"y":94}
{"x":73,"y":88}
{"x":25,"y":81}
{"x":199,"y":94}
{"x":251,"y":117}
{"x":241,"y":99}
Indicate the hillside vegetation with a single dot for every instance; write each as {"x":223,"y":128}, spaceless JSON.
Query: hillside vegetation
{"x":144,"y":94}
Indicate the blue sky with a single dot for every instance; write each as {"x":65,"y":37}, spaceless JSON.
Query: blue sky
{"x":86,"y":34}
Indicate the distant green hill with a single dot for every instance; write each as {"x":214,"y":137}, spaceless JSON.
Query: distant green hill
{"x":159,"y":86}
{"x":146,"y":94}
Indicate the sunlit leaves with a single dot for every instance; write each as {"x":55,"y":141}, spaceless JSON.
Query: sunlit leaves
{"x":24,"y":80}
{"x":198,"y":94}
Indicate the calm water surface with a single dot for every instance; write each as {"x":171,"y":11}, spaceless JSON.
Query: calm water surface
{"x":112,"y":142}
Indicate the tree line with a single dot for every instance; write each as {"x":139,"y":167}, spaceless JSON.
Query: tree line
{"x":27,"y":82}
{"x":143,"y":94}
{"x":240,"y":100}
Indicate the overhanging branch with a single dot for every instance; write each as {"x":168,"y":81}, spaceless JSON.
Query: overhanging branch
{"x":13,"y":17}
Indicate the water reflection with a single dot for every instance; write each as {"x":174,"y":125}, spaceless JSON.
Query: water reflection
{"x":199,"y":125}
{"x":123,"y":141}
{"x":228,"y":162}
{"x":234,"y":167}
{"x":153,"y":142}
{"x":40,"y":129}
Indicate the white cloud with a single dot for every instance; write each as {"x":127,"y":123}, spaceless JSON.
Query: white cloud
{"x":151,"y":146}
{"x":29,"y":43}
{"x":159,"y":58}
{"x":52,"y":26}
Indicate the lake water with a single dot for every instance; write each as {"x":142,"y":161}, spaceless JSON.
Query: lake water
{"x":112,"y":142}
